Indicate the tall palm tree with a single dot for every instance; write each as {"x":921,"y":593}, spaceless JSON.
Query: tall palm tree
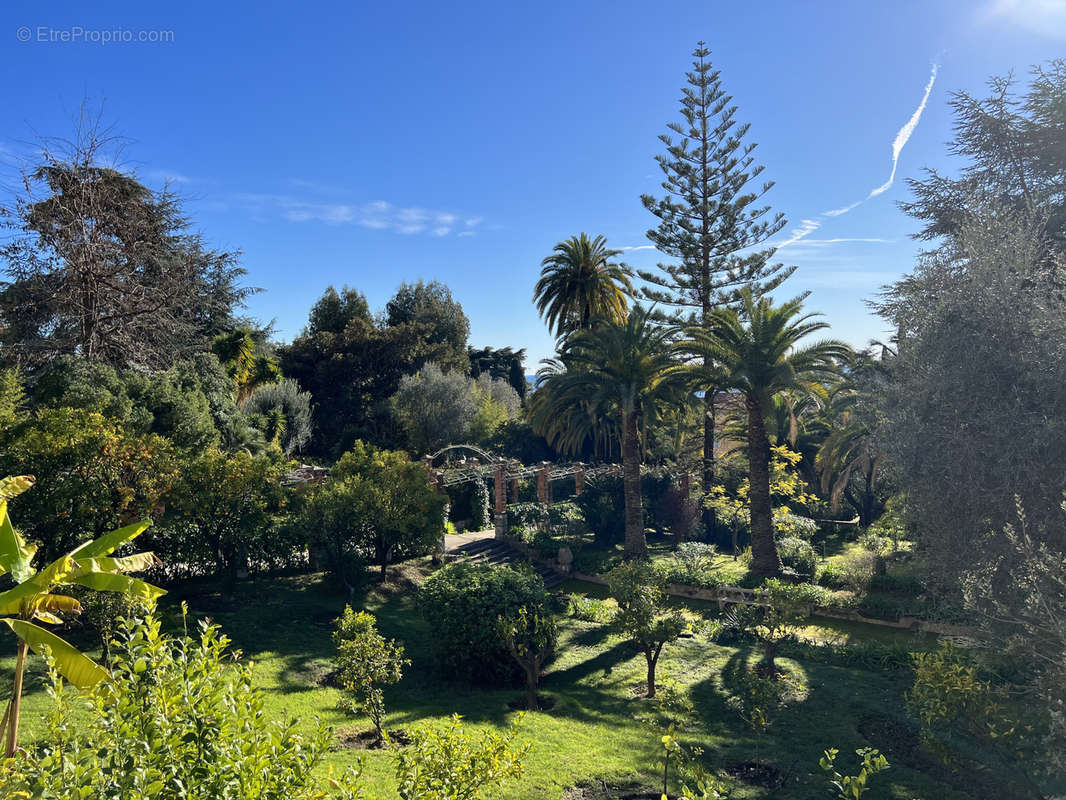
{"x":580,"y":284}
{"x":756,"y":352}
{"x":616,"y":368}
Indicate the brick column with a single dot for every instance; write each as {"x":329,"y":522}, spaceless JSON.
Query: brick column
{"x":514,"y":490}
{"x":500,"y":485}
{"x":544,"y":494}
{"x":579,"y":481}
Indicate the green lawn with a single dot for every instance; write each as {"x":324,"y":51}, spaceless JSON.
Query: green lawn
{"x":283,"y":624}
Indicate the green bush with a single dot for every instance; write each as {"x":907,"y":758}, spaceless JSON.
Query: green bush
{"x":880,"y":607}
{"x":450,"y":764}
{"x":831,"y":576}
{"x":591,"y":609}
{"x":526,"y":515}
{"x":602,"y":505}
{"x":691,"y":564}
{"x":463,"y":604}
{"x":798,"y":555}
{"x":177,"y":718}
{"x":903,"y":585}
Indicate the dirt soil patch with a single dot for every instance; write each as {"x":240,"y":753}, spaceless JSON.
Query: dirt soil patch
{"x":757,"y":773}
{"x":604,"y":790}
{"x":368,"y":739}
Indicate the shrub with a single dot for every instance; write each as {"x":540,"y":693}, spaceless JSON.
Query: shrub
{"x":565,"y":519}
{"x":904,"y":585}
{"x":177,"y":717}
{"x":366,"y":662}
{"x":799,"y":556}
{"x":857,"y":569}
{"x":775,"y":622}
{"x":526,"y":515}
{"x":591,"y":609}
{"x":692,"y":564}
{"x":831,"y":575}
{"x":879,"y":607}
{"x":875,"y":542}
{"x":602,"y":505}
{"x":282,"y":413}
{"x":463,"y":604}
{"x":94,"y":474}
{"x":450,"y":764}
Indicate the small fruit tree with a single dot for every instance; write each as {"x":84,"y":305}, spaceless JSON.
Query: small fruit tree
{"x":366,"y":662}
{"x":642,"y":614}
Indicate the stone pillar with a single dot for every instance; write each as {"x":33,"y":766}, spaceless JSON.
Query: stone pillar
{"x":500,"y":486}
{"x":579,"y":481}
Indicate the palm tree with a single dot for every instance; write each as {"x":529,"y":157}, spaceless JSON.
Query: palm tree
{"x":579,"y":284}
{"x":755,"y":352}
{"x":850,"y":449}
{"x":616,"y":368}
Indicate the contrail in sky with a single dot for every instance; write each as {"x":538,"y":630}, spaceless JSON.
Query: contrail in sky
{"x":905,"y":134}
{"x":809,"y":226}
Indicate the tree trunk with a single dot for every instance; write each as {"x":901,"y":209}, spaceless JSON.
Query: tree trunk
{"x":635,"y":546}
{"x":709,"y":471}
{"x":16,"y":701}
{"x":652,"y":660}
{"x":765,"y":561}
{"x":531,"y":687}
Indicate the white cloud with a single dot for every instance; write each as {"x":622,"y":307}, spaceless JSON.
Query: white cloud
{"x":637,"y":247}
{"x":905,"y":133}
{"x":375,"y":215}
{"x":1042,"y":17}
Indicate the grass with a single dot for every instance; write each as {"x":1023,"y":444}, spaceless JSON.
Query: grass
{"x":284,"y":625}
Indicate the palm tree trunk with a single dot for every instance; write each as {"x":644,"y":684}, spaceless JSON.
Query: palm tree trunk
{"x":635,"y":546}
{"x":765,"y":561}
{"x":708,"y":440}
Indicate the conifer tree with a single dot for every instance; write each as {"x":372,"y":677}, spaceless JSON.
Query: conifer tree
{"x":711,"y":218}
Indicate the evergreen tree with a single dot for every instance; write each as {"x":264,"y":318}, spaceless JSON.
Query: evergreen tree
{"x":710,"y":219}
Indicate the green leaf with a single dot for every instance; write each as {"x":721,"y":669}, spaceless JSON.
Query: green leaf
{"x":134,"y":563}
{"x":13,"y":486}
{"x":108,"y":543}
{"x":73,"y":665}
{"x":15,"y":554}
{"x":12,"y":600}
{"x":116,"y":582}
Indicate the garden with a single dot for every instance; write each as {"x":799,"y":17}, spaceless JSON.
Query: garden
{"x":704,"y":554}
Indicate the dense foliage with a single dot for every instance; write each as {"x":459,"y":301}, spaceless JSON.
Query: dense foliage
{"x":377,"y":507}
{"x":464,"y":603}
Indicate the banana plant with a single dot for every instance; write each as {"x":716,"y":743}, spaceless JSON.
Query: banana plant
{"x":34,"y":598}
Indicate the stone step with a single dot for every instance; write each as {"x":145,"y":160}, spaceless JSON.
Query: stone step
{"x":495,"y":552}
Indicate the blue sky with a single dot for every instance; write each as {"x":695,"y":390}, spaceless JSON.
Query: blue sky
{"x":368,"y":143}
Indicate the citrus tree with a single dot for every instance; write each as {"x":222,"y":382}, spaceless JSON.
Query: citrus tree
{"x":34,"y":598}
